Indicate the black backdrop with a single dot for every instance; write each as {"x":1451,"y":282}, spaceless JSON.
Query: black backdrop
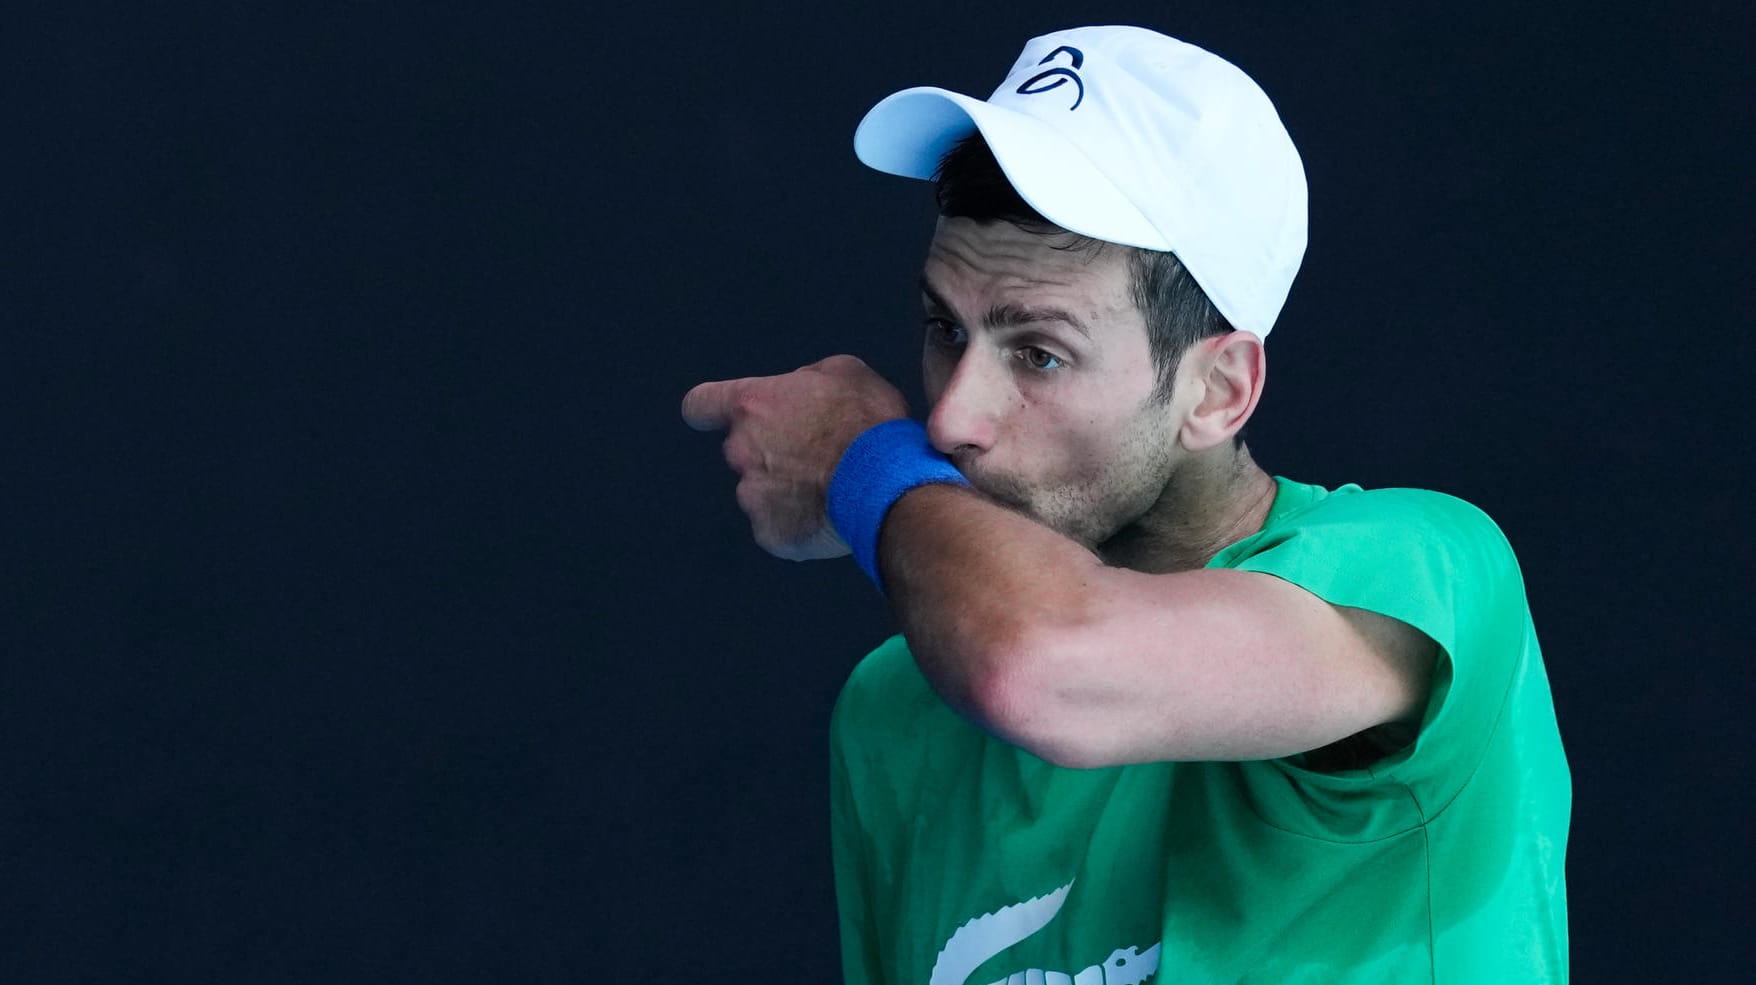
{"x":371,"y":616}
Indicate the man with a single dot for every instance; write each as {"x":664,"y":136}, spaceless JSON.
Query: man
{"x":1153,"y":711}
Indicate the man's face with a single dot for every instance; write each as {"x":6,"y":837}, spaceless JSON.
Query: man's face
{"x":1040,"y":379}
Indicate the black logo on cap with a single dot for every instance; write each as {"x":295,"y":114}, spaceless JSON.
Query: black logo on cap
{"x":1038,"y":82}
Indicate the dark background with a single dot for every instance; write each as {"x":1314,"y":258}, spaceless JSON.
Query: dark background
{"x":370,"y":615}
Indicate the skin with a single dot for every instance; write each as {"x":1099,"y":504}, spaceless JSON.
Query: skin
{"x":1061,"y":602}
{"x":1043,"y":392}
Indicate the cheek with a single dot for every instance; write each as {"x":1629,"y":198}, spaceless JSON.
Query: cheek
{"x":1110,"y":446}
{"x":1101,"y":416}
{"x":1078,"y":445}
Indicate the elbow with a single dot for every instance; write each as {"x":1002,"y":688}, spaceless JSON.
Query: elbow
{"x":1017,"y":694}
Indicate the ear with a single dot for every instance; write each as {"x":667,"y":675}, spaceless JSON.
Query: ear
{"x":1228,"y":372}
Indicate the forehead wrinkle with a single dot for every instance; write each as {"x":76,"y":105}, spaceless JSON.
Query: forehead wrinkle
{"x":1020,"y":263}
{"x":1011,"y":314}
{"x":1021,"y":278}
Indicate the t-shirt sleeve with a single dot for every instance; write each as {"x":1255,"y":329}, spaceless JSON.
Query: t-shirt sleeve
{"x":1439,"y":565}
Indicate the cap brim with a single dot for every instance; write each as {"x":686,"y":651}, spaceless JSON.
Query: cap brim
{"x":908,"y":133}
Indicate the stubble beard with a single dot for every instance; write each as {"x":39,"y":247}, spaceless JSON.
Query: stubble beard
{"x":1100,"y":501}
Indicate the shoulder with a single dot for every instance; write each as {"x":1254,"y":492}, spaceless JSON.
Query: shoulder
{"x":880,"y":673}
{"x":890,"y":734}
{"x":884,"y":695}
{"x":1416,"y":555}
{"x":1384,"y":510}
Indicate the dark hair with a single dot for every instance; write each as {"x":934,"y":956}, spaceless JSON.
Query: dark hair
{"x":970,"y":185}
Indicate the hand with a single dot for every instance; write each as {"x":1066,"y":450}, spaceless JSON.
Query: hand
{"x":785,"y":436}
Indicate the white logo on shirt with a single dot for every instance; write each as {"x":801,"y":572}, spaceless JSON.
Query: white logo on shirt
{"x":983,"y":937}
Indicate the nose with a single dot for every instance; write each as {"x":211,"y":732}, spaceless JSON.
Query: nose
{"x":965,"y":418}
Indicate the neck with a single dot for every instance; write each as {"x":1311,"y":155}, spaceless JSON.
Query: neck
{"x":1206,"y":507}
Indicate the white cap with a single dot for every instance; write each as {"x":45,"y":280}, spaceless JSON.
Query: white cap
{"x":1128,"y":136}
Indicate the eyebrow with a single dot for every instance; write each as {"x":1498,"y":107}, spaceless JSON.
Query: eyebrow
{"x":1010,"y":315}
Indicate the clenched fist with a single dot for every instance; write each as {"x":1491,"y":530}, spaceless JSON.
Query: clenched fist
{"x":784,"y":436}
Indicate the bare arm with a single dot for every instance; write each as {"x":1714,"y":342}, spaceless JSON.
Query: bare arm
{"x":1032,"y":637}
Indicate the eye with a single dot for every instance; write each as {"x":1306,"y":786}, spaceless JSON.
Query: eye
{"x":944,"y":333}
{"x":1039,"y":359}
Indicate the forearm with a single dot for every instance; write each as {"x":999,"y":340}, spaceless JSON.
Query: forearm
{"x":983,"y":594}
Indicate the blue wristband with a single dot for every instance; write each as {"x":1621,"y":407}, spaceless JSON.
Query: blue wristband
{"x":884,"y":462}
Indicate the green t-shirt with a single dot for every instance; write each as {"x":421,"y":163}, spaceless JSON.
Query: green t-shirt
{"x":962,"y":860}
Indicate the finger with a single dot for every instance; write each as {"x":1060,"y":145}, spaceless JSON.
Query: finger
{"x":708,"y":407}
{"x":739,"y":453}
